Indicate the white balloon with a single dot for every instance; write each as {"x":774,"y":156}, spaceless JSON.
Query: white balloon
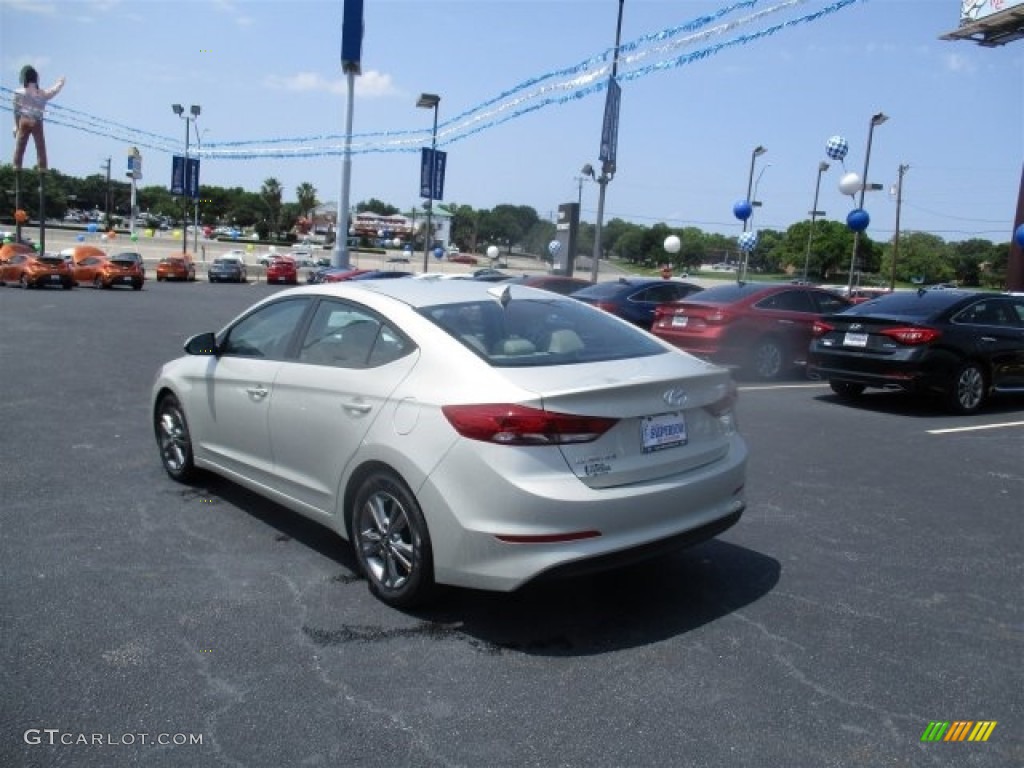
{"x":850,"y":184}
{"x":672,"y":244}
{"x":492,"y":252}
{"x":397,"y":242}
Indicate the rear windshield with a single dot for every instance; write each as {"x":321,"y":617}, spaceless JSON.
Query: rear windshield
{"x":122,"y":262}
{"x":538,"y":332}
{"x":910,"y":305}
{"x":606,"y":290}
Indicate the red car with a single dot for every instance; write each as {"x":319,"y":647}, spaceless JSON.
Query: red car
{"x":31,"y":270}
{"x":462,"y":258}
{"x":763,"y":328}
{"x":282,"y":270}
{"x":176,"y":268}
{"x":562,"y":284}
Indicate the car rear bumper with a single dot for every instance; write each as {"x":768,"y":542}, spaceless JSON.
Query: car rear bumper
{"x":471,"y":523}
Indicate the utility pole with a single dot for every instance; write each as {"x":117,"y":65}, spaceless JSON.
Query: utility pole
{"x":896,"y":237}
{"x":107,"y":207}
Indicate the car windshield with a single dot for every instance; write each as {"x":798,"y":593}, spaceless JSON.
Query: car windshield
{"x":908,"y":305}
{"x":536,"y":332}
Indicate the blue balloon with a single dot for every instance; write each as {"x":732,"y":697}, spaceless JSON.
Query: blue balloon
{"x":858,"y":220}
{"x":439,"y":252}
{"x":92,"y":226}
{"x":1018,"y":236}
{"x":80,"y":238}
{"x":742,"y":210}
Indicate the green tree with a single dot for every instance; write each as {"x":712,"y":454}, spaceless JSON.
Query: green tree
{"x":305,"y":193}
{"x":373,"y":205}
{"x":271,"y":193}
{"x":922,"y":258}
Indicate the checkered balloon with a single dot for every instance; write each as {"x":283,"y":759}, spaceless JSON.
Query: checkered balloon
{"x":748,"y":241}
{"x":554,"y":247}
{"x":837,"y":147}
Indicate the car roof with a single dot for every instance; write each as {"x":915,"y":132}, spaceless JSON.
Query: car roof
{"x":424,"y":293}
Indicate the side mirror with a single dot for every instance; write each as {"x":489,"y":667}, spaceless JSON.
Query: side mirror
{"x":203,"y":344}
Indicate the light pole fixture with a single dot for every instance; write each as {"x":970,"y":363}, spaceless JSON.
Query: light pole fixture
{"x":429,"y":101}
{"x":815,"y":213}
{"x":193,"y":115}
{"x":741,"y":273}
{"x":877,"y":119}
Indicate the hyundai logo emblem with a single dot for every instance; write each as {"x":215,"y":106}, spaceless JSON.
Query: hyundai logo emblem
{"x":675,"y":397}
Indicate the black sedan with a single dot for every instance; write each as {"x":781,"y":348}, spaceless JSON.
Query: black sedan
{"x":962,"y":345}
{"x":635,"y":298}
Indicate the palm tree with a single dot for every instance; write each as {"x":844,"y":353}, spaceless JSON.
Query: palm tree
{"x":306,"y":194}
{"x":271,"y":193}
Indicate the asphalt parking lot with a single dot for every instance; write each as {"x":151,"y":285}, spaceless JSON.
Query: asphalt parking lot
{"x":872,"y":587}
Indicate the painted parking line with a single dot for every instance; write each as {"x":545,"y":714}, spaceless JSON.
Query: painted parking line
{"x":1004,"y":425}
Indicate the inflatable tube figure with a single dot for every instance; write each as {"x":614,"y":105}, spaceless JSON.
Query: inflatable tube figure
{"x":29,"y":104}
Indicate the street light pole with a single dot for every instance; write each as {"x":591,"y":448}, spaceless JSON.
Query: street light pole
{"x":430,"y":101}
{"x":608,"y":160}
{"x":194,"y":111}
{"x":815,"y":213}
{"x":875,"y":120}
{"x":741,"y":274}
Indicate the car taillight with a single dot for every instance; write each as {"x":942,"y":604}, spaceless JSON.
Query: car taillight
{"x":912,"y":336}
{"x":718,"y":317}
{"x":820,"y":328}
{"x":724,"y":408}
{"x":508,"y":424}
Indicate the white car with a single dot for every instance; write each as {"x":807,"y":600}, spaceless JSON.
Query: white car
{"x":459,"y":432}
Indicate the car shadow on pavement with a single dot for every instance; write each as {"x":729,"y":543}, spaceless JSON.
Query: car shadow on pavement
{"x":638,"y":605}
{"x":635,"y":605}
{"x":921,"y":406}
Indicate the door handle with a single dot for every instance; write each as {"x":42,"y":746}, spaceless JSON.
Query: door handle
{"x":258,"y":392}
{"x":785,"y":322}
{"x":357,"y":407}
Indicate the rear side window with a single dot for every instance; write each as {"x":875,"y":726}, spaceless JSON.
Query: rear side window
{"x":534,"y":332}
{"x":788,"y":301}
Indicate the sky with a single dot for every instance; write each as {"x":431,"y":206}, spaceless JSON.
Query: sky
{"x":522,"y":87}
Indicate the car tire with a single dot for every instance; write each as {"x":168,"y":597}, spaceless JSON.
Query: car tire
{"x":967,"y":388}
{"x":23,"y":282}
{"x":67,"y":286}
{"x":391,"y":541}
{"x":847,"y":390}
{"x":97,"y":283}
{"x":174,"y":439}
{"x":768,"y":359}
{"x":136,"y":286}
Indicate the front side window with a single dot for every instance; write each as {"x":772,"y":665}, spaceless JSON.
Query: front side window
{"x":266,"y":332}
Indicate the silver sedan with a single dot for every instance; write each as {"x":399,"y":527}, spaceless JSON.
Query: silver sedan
{"x":458,"y":432}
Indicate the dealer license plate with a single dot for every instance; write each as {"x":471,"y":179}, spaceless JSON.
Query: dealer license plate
{"x":664,"y":430}
{"x":855,"y":340}
{"x":679,"y":321}
{"x":54,"y":278}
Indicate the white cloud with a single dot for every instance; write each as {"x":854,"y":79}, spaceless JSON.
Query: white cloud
{"x":370,"y":84}
{"x":956,"y":62}
{"x":31,"y":6}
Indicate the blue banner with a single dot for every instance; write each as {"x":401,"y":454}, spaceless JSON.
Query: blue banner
{"x":432,"y":166}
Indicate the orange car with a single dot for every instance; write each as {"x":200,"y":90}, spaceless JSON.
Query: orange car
{"x":176,"y":268}
{"x":106,"y":272}
{"x":31,"y":270}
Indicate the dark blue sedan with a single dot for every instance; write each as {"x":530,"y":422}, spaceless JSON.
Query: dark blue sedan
{"x":635,"y":298}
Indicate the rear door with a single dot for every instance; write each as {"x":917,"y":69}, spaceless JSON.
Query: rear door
{"x":328,"y":395}
{"x":995,"y":329}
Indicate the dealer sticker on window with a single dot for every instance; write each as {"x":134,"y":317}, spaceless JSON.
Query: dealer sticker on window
{"x":664,"y":430}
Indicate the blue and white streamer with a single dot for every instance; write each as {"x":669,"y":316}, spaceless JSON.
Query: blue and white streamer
{"x":647,"y":55}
